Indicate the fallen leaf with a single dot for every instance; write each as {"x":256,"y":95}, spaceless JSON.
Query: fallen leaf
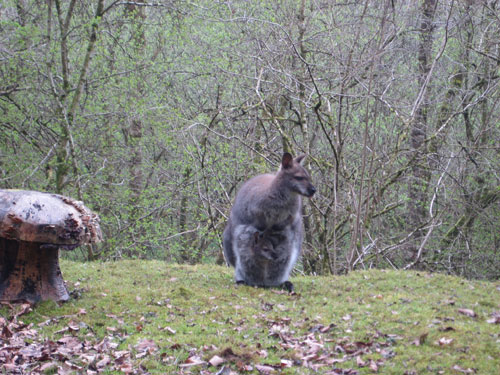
{"x":73,"y":366}
{"x":265,"y":369}
{"x":6,"y":333}
{"x":70,"y":342}
{"x":103,"y":362}
{"x":216,"y":361}
{"x":327,"y":328}
{"x":360,"y":362}
{"x":121,"y":356}
{"x":467,"y":312}
{"x":262,"y":353}
{"x":421,"y":339}
{"x":267,"y":306}
{"x":192,"y":361}
{"x":88,"y":358}
{"x":32,"y":350}
{"x":464,"y":371}
{"x":24,"y":309}
{"x":127,"y":368}
{"x":169,"y":330}
{"x":495,"y":318}
{"x":444,"y":341}
{"x":73,"y":326}
{"x":146,"y":345}
{"x":446,"y":329}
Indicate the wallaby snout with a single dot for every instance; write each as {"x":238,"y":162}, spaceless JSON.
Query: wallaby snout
{"x":310,"y":191}
{"x":304,"y":188}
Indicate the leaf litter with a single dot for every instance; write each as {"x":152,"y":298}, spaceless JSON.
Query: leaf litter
{"x":23,"y":350}
{"x":274,"y":337}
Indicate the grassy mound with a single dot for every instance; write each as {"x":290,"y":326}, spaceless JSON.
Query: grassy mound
{"x":150,"y":317}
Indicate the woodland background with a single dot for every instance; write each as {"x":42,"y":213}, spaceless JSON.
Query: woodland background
{"x":154,"y":112}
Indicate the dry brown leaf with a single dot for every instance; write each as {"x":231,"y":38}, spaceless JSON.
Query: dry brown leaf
{"x":462,"y":370}
{"x":467,"y":312}
{"x":265,"y":369}
{"x":327,"y":328}
{"x":146,"y":345}
{"x":6,"y":333}
{"x":360,"y":362}
{"x":73,"y":326}
{"x":421,"y":339}
{"x":495,"y":318}
{"x":286,"y":363}
{"x":445,"y":341}
{"x":103,"y":362}
{"x":170,"y":330}
{"x":127,"y":368}
{"x":216,"y":361}
{"x":192,"y":361}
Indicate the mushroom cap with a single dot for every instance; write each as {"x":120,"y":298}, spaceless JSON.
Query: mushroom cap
{"x":33,"y":216}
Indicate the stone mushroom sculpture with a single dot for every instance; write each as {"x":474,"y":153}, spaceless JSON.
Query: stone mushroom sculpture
{"x":33,"y":227}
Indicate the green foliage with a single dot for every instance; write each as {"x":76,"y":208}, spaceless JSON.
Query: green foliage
{"x":214,"y":88}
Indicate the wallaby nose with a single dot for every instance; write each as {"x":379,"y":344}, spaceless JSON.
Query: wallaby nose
{"x":311,"y":190}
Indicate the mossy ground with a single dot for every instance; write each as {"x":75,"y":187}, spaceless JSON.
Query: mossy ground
{"x":393,"y":320}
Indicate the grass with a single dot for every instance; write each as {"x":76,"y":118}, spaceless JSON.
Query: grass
{"x":390,"y":322}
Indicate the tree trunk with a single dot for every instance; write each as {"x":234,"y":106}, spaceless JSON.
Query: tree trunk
{"x":135,"y":128}
{"x":30,"y":273}
{"x":65,"y":152}
{"x":420,"y":174}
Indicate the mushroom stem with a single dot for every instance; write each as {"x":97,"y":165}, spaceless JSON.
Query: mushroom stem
{"x":30,"y":274}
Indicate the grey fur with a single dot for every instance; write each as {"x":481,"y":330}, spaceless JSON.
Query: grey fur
{"x":263,"y":236}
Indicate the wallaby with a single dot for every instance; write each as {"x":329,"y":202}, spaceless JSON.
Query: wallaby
{"x":266,"y":220}
{"x":263,"y":248}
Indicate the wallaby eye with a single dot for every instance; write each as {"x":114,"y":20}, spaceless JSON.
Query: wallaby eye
{"x":300,"y":178}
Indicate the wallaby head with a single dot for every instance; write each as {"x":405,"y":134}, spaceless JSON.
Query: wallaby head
{"x":295,"y":175}
{"x":262,"y":246}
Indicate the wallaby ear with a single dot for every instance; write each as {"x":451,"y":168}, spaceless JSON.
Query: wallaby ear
{"x":300,"y":158}
{"x":287,"y":160}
